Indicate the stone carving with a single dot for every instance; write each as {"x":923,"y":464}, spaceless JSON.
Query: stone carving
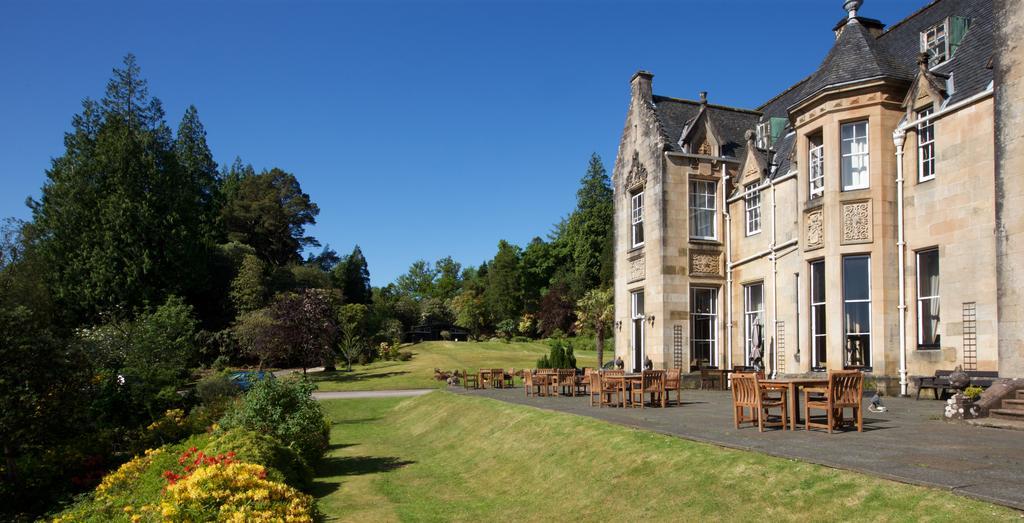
{"x":637,"y":175}
{"x":705,"y":148}
{"x":815,"y":229}
{"x":857,"y":222}
{"x":637,"y":269}
{"x":705,"y":263}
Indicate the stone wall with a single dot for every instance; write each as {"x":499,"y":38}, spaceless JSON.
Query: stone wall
{"x":1009,"y":192}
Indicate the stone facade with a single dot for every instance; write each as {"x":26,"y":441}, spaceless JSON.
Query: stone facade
{"x":734,"y":219}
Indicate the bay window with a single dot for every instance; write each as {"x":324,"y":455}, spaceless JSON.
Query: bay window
{"x":857,"y":310}
{"x":816,"y":166}
{"x":819,"y":354}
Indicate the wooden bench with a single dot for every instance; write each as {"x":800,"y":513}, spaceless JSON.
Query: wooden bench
{"x":939,"y":383}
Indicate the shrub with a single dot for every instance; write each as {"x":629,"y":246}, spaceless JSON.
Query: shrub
{"x":446,"y":335}
{"x":215,"y":388}
{"x":234,"y":492}
{"x":282,"y":462}
{"x":286,"y":410}
{"x":521,"y":339}
{"x":404,"y":355}
{"x":973,"y":392}
{"x":363,"y":359}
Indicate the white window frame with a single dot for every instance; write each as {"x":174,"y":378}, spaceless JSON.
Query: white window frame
{"x":925,"y":147}
{"x":847,"y":333}
{"x":713,"y":316}
{"x":750,"y":317}
{"x":936,"y":37}
{"x":922,"y":299}
{"x":752,"y":209}
{"x":816,"y":361}
{"x":636,"y":228}
{"x":703,"y":202}
{"x":816,"y":169}
{"x":864,"y":154}
{"x":764,"y":134}
{"x":637,"y":318}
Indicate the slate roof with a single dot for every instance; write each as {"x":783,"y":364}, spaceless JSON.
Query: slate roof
{"x":731,"y":123}
{"x":856,"y":55}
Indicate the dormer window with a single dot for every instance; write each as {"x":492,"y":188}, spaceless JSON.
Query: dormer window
{"x":933,"y":42}
{"x":764,"y":135}
{"x":941,"y":40}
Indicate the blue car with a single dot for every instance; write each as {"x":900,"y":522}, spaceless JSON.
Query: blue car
{"x":244,"y":379}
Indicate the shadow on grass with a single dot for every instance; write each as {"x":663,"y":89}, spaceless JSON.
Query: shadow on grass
{"x":354,"y":421}
{"x":334,"y":467}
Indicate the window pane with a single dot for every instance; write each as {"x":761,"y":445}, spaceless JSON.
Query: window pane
{"x":819,"y":320}
{"x":856,"y":285}
{"x":858,"y":350}
{"x":929,"y":321}
{"x":818,"y":282}
{"x":928,"y":273}
{"x":702,"y":328}
{"x":703,"y":302}
{"x":857,"y":317}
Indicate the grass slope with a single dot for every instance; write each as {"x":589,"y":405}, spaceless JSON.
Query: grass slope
{"x":418,"y":373}
{"x":444,"y":457}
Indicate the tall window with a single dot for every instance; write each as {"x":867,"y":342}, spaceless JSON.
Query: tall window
{"x":637,"y":219}
{"x":818,"y":326}
{"x":933,"y":42}
{"x":816,"y":166}
{"x":857,"y":310}
{"x":925,"y":147}
{"x":854,"y":149}
{"x":753,"y":321}
{"x":928,"y":299}
{"x":702,"y":210}
{"x":704,"y":321}
{"x":753,"y":208}
{"x":638,"y":329}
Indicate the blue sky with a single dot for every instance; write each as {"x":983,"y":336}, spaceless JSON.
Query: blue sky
{"x":421,"y":128}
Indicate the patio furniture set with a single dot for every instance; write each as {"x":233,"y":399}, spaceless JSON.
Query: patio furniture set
{"x":755,"y":398}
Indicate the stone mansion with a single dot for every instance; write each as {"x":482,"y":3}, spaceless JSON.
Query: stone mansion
{"x":866,"y":217}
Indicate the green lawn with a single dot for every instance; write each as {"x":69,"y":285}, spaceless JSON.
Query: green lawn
{"x":418,"y":373}
{"x":445,"y":457}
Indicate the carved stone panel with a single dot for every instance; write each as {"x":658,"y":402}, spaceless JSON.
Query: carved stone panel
{"x":637,"y":175}
{"x":857,"y":222}
{"x":815,"y":225}
{"x":704,"y":262}
{"x":637,"y":268}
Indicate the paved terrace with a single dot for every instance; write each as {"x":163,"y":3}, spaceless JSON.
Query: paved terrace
{"x":909,"y":443}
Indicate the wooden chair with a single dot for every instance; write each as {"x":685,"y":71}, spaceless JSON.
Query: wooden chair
{"x":497,"y":378}
{"x":510,"y":378}
{"x":530,"y":384}
{"x":468,"y":379}
{"x":747,"y":393}
{"x":845,"y":390}
{"x":612,"y":386}
{"x":594,"y":385}
{"x":565,"y":382}
{"x":710,"y":376}
{"x":652,"y":383}
{"x":583,"y":381}
{"x":674,"y":382}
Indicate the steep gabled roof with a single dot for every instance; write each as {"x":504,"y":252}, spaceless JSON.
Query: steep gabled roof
{"x":675,"y":115}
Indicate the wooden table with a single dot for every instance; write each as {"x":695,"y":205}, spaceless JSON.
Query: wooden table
{"x":793,"y":386}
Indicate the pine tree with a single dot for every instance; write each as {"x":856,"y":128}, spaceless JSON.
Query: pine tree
{"x":504,"y":293}
{"x":353,"y":276}
{"x":117,"y":222}
{"x":588,"y":231}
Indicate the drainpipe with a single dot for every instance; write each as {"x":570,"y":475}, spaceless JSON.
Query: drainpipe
{"x":898,"y":138}
{"x":775,"y":291}
{"x":728,"y":270}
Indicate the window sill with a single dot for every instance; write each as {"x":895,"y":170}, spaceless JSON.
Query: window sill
{"x":706,"y":241}
{"x":755,"y":233}
{"x":929,"y":348}
{"x":634,"y":250}
{"x":925,"y":180}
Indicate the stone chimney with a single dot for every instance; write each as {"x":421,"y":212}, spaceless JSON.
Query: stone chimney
{"x":703,"y":97}
{"x":640,"y":85}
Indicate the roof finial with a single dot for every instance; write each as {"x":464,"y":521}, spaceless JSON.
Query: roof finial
{"x":851,"y":7}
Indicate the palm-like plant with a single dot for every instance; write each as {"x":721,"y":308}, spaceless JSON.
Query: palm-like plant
{"x":596,"y":310}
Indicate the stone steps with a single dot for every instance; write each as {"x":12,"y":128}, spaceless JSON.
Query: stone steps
{"x":1020,"y":394}
{"x":1011,"y":414}
{"x":1013,"y":404}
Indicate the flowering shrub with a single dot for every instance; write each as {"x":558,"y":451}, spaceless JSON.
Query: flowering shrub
{"x":234,"y":492}
{"x":192,"y":459}
{"x":126,"y":475}
{"x":173,"y":426}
